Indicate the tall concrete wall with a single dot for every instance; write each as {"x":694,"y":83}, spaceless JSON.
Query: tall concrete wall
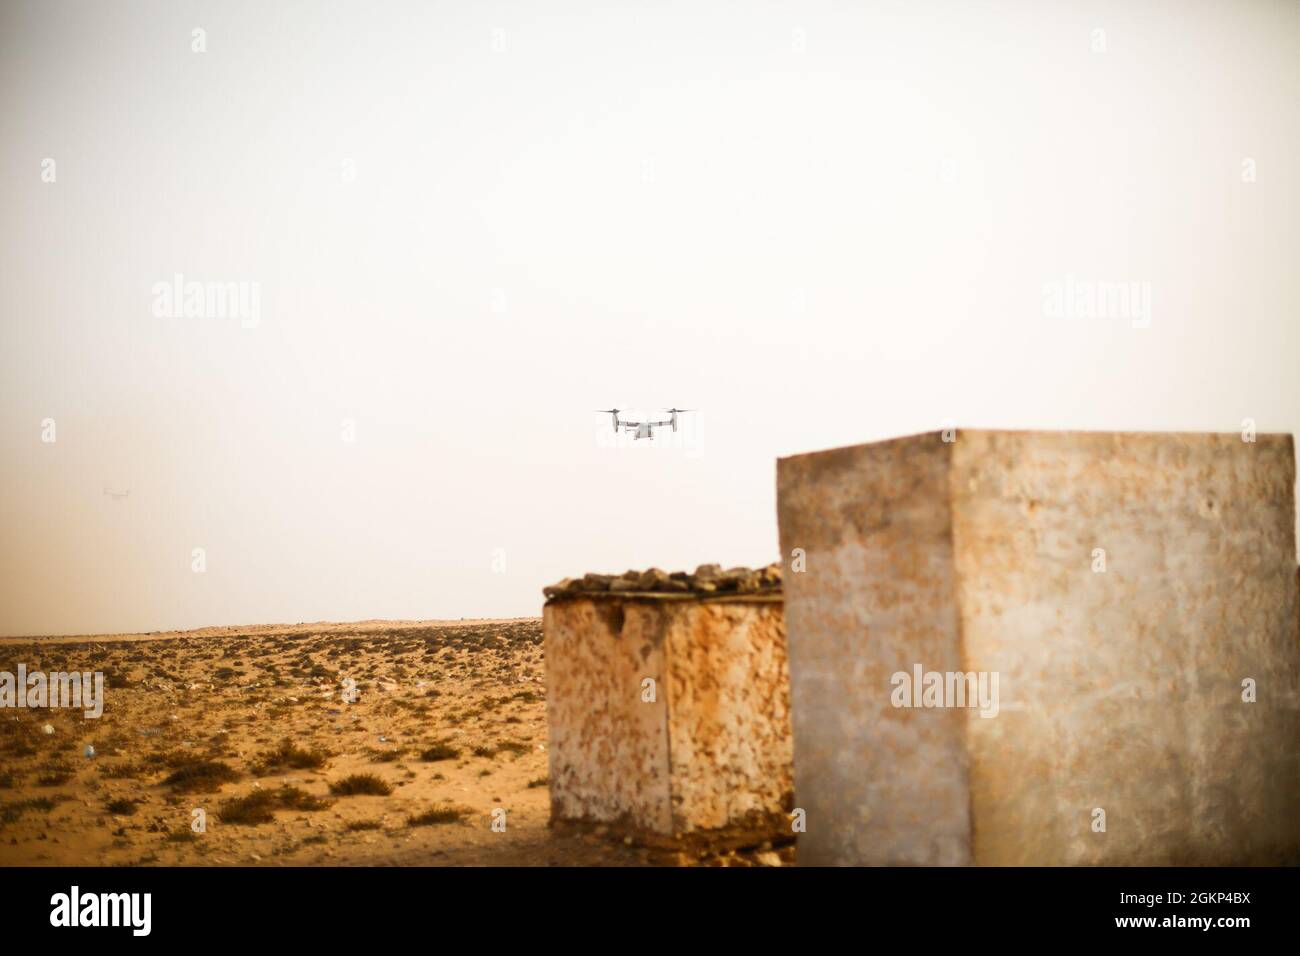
{"x":1120,"y":690}
{"x":710,"y":756}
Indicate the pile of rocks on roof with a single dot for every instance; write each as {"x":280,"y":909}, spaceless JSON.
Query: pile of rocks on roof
{"x":707,"y":579}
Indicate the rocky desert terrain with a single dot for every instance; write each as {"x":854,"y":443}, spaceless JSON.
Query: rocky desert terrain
{"x":253,"y":727}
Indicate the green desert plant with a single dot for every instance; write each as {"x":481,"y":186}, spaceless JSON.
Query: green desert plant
{"x":54,"y":776}
{"x":191,"y":774}
{"x":366,"y":784}
{"x":440,"y":751}
{"x":260,"y":805}
{"x":9,"y":812}
{"x":447,"y":813}
{"x":288,"y":755}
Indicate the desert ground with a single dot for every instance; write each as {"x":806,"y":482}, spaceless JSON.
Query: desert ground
{"x":250,"y":725}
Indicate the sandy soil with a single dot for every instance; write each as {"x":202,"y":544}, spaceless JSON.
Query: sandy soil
{"x":449,"y":716}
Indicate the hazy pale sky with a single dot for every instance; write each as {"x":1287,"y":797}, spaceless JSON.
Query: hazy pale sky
{"x":468,"y":225}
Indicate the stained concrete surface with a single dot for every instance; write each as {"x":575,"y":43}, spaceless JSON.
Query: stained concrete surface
{"x":709,"y":757}
{"x":1121,"y":691}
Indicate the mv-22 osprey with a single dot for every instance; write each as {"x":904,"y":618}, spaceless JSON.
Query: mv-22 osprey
{"x":644,"y":429}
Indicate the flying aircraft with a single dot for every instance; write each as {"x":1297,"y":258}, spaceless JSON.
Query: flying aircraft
{"x":644,"y":429}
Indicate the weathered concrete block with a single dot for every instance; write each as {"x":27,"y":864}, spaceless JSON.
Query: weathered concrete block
{"x":702,"y":752}
{"x":1119,"y":675}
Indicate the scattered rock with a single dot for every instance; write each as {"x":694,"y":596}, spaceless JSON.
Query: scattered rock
{"x":707,"y":579}
{"x":708,"y":572}
{"x":653,"y":580}
{"x":555,"y":590}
